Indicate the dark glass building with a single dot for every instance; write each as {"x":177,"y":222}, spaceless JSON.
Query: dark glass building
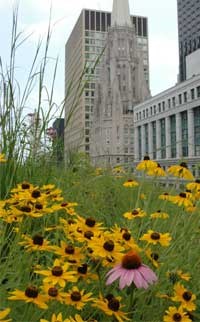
{"x":188,"y":31}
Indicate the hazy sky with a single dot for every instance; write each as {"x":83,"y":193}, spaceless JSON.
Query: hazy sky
{"x":34,"y":16}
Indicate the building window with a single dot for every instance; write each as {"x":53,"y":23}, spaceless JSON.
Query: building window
{"x":159,"y":107}
{"x":103,"y":22}
{"x":192,"y":93}
{"x":163,"y":106}
{"x":98,"y":21}
{"x":185,"y":97}
{"x":154,"y":109}
{"x":146,"y":139}
{"x":173,"y":101}
{"x":163,"y":139}
{"x":169,"y":103}
{"x":150,"y":110}
{"x":92,"y":20}
{"x":173,"y":135}
{"x":87,"y":19}
{"x":180,"y":98}
{"x":144,"y":27}
{"x":198,"y":91}
{"x":140,"y":142}
{"x":139,"y":26}
{"x":154,"y":138}
{"x":197,"y":131}
{"x":184,"y":123}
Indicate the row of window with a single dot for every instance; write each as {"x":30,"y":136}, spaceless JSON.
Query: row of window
{"x":170,"y":102}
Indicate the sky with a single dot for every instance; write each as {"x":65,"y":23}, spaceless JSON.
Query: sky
{"x":33,"y":18}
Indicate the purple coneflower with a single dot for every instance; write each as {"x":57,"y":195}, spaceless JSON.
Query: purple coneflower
{"x":131,"y":270}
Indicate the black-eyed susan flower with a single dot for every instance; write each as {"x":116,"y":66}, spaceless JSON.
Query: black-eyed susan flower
{"x":55,"y":318}
{"x":159,"y":214}
{"x":130,"y":183}
{"x":194,"y":186}
{"x":77,"y":298}
{"x":154,"y":237}
{"x":36,"y":243}
{"x":125,"y":238}
{"x":176,"y":275}
{"x":53,"y":293}
{"x":30,"y":295}
{"x":174,"y":314}
{"x":183,"y":199}
{"x":157,"y":172}
{"x":2,"y":158}
{"x":153,"y":257}
{"x":118,"y":170}
{"x":111,"y":306}
{"x":181,"y":171}
{"x":134,"y":214}
{"x":146,"y":164}
{"x":164,"y":196}
{"x":58,"y":274}
{"x":3,"y":315}
{"x":185,"y":297}
{"x":131,"y":270}
{"x":69,"y":252}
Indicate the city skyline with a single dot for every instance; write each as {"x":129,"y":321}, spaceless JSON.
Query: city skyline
{"x":163,"y":38}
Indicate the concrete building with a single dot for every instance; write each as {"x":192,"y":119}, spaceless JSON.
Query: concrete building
{"x":167,"y":126}
{"x":121,"y":86}
{"x":189,"y":36}
{"x":83,"y":47}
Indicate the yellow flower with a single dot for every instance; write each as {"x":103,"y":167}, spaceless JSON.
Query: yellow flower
{"x":111,"y":307}
{"x":77,"y":298}
{"x":37,"y":243}
{"x":55,"y":318}
{"x":118,"y":170}
{"x":194,"y":186}
{"x":58,"y":274}
{"x":146,"y":165}
{"x":157,"y":172}
{"x":53,"y":293}
{"x":69,"y":252}
{"x":2,"y":158}
{"x":183,"y":199}
{"x":154,"y":237}
{"x":187,"y":298}
{"x":153,"y":257}
{"x":30,"y":295}
{"x":3,"y":315}
{"x":176,"y":315}
{"x":174,"y":276}
{"x":135,"y":213}
{"x":159,"y":214}
{"x":123,"y":235}
{"x":130,"y":183}
{"x":181,"y":171}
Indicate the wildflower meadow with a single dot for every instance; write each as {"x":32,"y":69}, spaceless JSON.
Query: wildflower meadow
{"x":86,"y":244}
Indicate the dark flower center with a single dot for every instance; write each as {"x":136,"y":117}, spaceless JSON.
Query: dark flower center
{"x":52,"y":291}
{"x":159,"y":211}
{"x":76,"y":296}
{"x":113,"y":304}
{"x":82,"y":269}
{"x":69,"y":250}
{"x":184,"y":165}
{"x":187,"y":296}
{"x":165,"y":194}
{"x":36,"y":194}
{"x":131,"y":260}
{"x":182,"y":195}
{"x":197,"y":180}
{"x":129,"y":180}
{"x":158,"y":165}
{"x":90,"y":222}
{"x":154,"y":256}
{"x":25,"y":209}
{"x":109,"y":297}
{"x":25,"y":185}
{"x":109,"y":245}
{"x":135,"y":212}
{"x":126,"y":236}
{"x":57,"y":271}
{"x":64,"y":204}
{"x":38,"y":206}
{"x":177,"y":317}
{"x":71,"y":221}
{"x":88,"y":234}
{"x":155,"y":236}
{"x":38,"y":240}
{"x":146,"y":157}
{"x":31,"y":291}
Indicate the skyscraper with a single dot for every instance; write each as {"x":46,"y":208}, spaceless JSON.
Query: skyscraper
{"x":84,"y":45}
{"x":121,"y":86}
{"x":188,"y":33}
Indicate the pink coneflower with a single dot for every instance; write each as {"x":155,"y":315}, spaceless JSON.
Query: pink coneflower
{"x":131,"y":270}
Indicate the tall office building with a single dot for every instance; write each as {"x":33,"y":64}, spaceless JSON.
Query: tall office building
{"x":121,"y":86}
{"x":83,"y":47}
{"x":189,"y":37}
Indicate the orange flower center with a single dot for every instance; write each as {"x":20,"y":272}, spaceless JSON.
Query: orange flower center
{"x":131,"y":260}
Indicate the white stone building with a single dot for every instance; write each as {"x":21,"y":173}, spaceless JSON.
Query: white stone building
{"x":121,"y":86}
{"x":167,"y":126}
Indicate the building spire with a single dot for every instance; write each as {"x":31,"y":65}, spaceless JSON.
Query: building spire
{"x":121,"y":14}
